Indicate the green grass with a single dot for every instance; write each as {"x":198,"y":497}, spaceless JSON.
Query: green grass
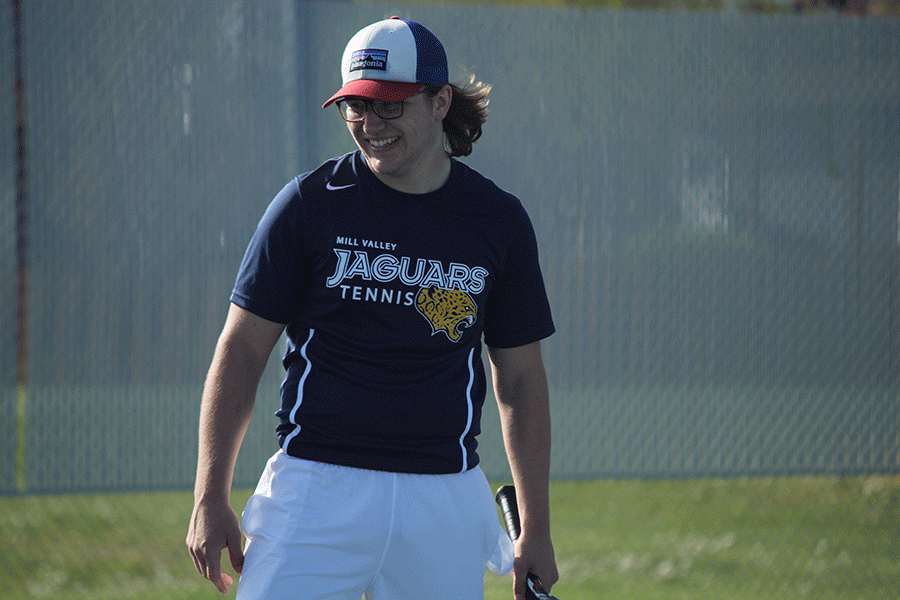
{"x":820,"y":538}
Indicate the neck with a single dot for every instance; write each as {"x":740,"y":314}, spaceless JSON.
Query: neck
{"x":426,"y":180}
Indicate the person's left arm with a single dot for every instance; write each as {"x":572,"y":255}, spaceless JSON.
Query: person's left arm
{"x":520,"y":386}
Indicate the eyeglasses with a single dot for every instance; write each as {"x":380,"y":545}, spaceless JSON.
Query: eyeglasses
{"x":354,"y":110}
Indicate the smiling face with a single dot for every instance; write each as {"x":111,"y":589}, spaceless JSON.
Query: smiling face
{"x":407,"y":153}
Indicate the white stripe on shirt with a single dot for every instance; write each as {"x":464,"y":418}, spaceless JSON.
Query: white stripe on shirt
{"x":293,"y":416}
{"x":462,"y":438}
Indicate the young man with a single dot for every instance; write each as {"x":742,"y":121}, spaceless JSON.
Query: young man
{"x":385,"y":267}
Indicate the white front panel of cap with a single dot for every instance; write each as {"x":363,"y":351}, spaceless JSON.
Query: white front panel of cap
{"x":385,"y":50}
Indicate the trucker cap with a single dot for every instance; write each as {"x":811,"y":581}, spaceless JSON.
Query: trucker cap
{"x":390,"y":61}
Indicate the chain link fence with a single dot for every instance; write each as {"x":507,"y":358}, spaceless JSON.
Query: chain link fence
{"x":715,"y":195}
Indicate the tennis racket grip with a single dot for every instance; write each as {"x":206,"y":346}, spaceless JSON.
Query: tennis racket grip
{"x":506,"y":498}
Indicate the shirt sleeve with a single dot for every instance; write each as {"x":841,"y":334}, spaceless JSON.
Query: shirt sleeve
{"x":518,"y":310}
{"x":271,"y":278}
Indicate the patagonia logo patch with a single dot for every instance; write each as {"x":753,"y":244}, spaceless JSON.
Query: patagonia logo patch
{"x":370,"y":58}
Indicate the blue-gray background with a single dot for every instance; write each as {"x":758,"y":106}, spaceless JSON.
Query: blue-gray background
{"x":715,"y":196}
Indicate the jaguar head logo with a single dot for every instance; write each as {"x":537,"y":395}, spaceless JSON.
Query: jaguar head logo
{"x":449,"y":311}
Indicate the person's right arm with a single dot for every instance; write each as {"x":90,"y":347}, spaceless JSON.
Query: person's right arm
{"x":229,"y":393}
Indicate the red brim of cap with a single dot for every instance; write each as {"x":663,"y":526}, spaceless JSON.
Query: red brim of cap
{"x":373,"y":89}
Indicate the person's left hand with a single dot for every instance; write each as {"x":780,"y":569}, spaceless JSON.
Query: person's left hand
{"x":534,"y":554}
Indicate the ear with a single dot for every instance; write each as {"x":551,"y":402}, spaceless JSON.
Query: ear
{"x":441,"y":102}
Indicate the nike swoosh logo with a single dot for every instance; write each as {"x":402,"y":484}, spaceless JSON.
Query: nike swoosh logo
{"x":331,"y":187}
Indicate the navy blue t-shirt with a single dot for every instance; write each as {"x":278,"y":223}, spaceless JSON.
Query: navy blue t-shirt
{"x":385,"y":297}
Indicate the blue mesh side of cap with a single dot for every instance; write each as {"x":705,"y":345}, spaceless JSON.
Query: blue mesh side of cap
{"x":431,"y":60}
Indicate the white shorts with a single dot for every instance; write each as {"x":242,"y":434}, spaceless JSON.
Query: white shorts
{"x":324,"y":532}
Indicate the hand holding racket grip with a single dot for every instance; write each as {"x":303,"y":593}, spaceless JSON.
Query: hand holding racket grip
{"x":506,"y":498}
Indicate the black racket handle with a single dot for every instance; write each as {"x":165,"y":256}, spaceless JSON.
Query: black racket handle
{"x":506,"y":498}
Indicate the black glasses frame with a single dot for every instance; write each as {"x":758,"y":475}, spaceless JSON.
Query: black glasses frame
{"x":381,"y":109}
